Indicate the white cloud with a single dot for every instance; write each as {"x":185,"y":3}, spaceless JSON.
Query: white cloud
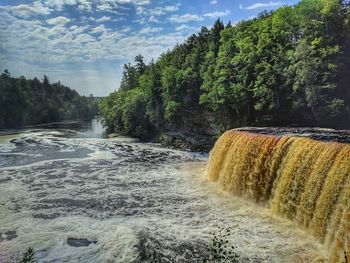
{"x":55,"y":43}
{"x":193,"y":17}
{"x":104,"y":7}
{"x":88,"y":5}
{"x":61,"y":40}
{"x":58,"y":5}
{"x":26,"y":11}
{"x":84,"y":5}
{"x":217,"y":14}
{"x":213,"y":2}
{"x":78,"y":29}
{"x":261,"y":5}
{"x":59,"y":20}
{"x":83,"y":38}
{"x":185,"y":28}
{"x":126,"y":29}
{"x":99,"y":29}
{"x":157,"y":11}
{"x":103,"y":19}
{"x":153,"y":19}
{"x":185,"y":18}
{"x":136,"y":2}
{"x":150,"y":30}
{"x":107,"y":6}
{"x":172,"y":8}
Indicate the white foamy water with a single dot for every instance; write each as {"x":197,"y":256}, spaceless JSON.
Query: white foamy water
{"x":135,"y":202}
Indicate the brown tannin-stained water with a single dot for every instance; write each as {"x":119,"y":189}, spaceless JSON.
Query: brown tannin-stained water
{"x":305,"y":180}
{"x":76,"y":197}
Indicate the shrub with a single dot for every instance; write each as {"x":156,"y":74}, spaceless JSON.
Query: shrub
{"x":220,"y":249}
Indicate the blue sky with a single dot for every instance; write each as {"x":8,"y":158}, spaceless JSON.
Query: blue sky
{"x":84,"y":43}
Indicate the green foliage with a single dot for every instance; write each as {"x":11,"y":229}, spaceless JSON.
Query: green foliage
{"x":31,"y":101}
{"x":28,"y":256}
{"x":220,"y":249}
{"x":290,"y":66}
{"x":131,"y":73}
{"x":124,"y":112}
{"x":135,"y":119}
{"x":175,"y":83}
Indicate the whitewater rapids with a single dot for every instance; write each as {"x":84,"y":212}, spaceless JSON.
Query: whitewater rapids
{"x":134,"y":202}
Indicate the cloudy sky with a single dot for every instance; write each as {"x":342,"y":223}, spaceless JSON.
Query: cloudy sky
{"x":84,"y":43}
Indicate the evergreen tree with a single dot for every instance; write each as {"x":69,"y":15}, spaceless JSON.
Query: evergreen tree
{"x":289,"y":66}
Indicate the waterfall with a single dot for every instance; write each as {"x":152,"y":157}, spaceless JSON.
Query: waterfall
{"x":305,"y":180}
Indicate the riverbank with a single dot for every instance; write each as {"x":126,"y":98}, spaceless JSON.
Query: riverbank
{"x":184,"y":140}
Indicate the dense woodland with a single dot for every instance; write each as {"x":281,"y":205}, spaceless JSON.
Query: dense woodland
{"x":286,"y":67}
{"x":31,"y":101}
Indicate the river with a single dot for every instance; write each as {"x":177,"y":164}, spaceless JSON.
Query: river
{"x":75,"y":196}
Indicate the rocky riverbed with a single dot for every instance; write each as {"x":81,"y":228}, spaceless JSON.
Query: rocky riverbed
{"x":75,"y":196}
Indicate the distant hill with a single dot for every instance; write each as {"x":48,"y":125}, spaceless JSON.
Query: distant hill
{"x":31,"y":101}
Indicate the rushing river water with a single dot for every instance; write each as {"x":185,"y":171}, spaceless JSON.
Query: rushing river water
{"x":75,"y":196}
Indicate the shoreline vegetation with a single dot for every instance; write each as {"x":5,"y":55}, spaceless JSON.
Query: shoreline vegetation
{"x":26,"y":102}
{"x":289,"y":67}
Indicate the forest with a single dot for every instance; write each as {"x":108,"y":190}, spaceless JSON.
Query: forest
{"x":287,"y":67}
{"x":31,"y":101}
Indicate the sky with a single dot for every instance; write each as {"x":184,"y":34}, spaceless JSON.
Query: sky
{"x":85,"y":43}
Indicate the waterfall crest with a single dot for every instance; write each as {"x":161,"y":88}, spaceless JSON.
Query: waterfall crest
{"x":305,"y":180}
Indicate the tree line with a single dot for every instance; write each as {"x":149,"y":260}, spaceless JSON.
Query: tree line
{"x":286,"y":67}
{"x":33,"y":101}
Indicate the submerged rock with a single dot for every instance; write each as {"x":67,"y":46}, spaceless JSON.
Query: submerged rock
{"x":187,"y":140}
{"x":80,"y":242}
{"x":7,"y":236}
{"x":112,"y":135}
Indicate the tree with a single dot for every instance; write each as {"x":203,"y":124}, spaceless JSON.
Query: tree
{"x":24,"y":101}
{"x":317,"y":62}
{"x":129,"y":78}
{"x":140,"y":65}
{"x":288,"y":66}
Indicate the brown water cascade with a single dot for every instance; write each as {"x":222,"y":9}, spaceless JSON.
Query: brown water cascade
{"x":305,"y":180}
